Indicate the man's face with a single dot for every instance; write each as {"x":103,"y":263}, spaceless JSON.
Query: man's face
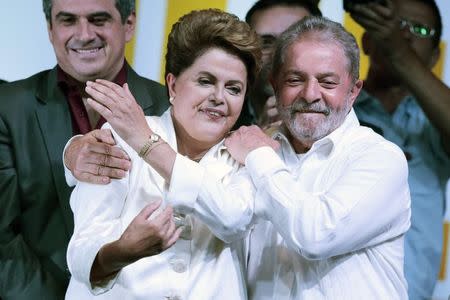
{"x":269,"y":24}
{"x":314,"y":89}
{"x":89,"y":38}
{"x":417,"y":12}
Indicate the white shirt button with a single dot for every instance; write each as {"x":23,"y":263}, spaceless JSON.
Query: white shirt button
{"x":178,"y":265}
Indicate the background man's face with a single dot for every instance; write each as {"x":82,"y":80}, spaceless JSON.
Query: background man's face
{"x":269,"y":24}
{"x":420,"y":13}
{"x":89,"y":38}
{"x":416,"y":12}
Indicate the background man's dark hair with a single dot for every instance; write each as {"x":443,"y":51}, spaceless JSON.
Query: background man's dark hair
{"x":310,"y":5}
{"x":125,"y":8}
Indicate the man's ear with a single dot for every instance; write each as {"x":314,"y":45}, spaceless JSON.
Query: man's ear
{"x":354,"y":92}
{"x":170,"y":82}
{"x":130,"y":24}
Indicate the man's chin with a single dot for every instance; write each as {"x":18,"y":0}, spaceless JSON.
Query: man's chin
{"x":90,"y":75}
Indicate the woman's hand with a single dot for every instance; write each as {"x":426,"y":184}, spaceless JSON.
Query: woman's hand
{"x":148,"y":234}
{"x":118,"y":106}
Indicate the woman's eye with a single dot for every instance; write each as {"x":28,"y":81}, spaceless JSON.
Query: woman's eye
{"x":234,"y":90}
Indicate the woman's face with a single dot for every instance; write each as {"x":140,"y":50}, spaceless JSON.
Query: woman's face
{"x":208,"y":96}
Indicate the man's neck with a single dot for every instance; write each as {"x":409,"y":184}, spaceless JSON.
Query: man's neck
{"x":300,"y":147}
{"x":72,"y":84}
{"x":93,"y":115}
{"x":117,"y":75}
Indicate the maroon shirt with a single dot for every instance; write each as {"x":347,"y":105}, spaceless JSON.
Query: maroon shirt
{"x":71,"y":89}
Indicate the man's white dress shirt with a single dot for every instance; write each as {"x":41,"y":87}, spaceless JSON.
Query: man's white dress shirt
{"x":336,"y":217}
{"x":199,"y":265}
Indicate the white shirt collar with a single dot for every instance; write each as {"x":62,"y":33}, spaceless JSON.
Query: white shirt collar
{"x":324,"y":146}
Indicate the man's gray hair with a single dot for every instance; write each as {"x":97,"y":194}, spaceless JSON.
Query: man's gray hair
{"x":125,"y":8}
{"x":321,"y":29}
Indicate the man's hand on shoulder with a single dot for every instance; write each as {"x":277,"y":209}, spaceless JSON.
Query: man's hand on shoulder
{"x":246,"y":139}
{"x":94,"y":158}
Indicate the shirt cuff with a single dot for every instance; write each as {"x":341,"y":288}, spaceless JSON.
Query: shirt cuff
{"x":185,"y":184}
{"x":70,"y":179}
{"x":85,"y":257}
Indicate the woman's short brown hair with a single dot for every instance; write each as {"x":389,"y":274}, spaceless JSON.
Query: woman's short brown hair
{"x":200,"y":30}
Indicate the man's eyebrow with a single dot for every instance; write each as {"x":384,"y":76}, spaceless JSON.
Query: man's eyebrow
{"x":103,"y":14}
{"x":64,"y":14}
{"x":293,"y":72}
{"x":328,"y":74}
{"x":318,"y":75}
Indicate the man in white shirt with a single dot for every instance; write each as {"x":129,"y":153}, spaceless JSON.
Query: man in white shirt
{"x":334,"y":198}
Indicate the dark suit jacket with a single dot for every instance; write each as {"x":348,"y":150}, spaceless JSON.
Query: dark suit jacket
{"x":35,"y":217}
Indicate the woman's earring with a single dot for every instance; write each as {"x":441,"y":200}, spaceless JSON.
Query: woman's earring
{"x":171,"y":100}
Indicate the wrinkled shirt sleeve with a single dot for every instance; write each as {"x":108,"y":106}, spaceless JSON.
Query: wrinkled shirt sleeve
{"x":97,"y":210}
{"x":225,"y":207}
{"x":367,"y":204}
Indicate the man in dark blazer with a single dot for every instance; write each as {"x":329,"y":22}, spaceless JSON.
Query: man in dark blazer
{"x":37,"y":117}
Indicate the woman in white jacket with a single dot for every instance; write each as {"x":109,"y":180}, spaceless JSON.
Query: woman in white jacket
{"x":128,"y":241}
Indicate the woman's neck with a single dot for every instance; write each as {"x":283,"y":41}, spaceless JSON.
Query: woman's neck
{"x":189,"y":149}
{"x":189,"y":146}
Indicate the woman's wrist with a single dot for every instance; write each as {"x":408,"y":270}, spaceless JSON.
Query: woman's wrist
{"x":103,"y":266}
{"x":110,"y":259}
{"x":139,"y":140}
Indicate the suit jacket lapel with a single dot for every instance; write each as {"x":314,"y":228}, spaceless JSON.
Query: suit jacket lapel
{"x":56,"y":127}
{"x":139,"y":89}
{"x":54,"y":119}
